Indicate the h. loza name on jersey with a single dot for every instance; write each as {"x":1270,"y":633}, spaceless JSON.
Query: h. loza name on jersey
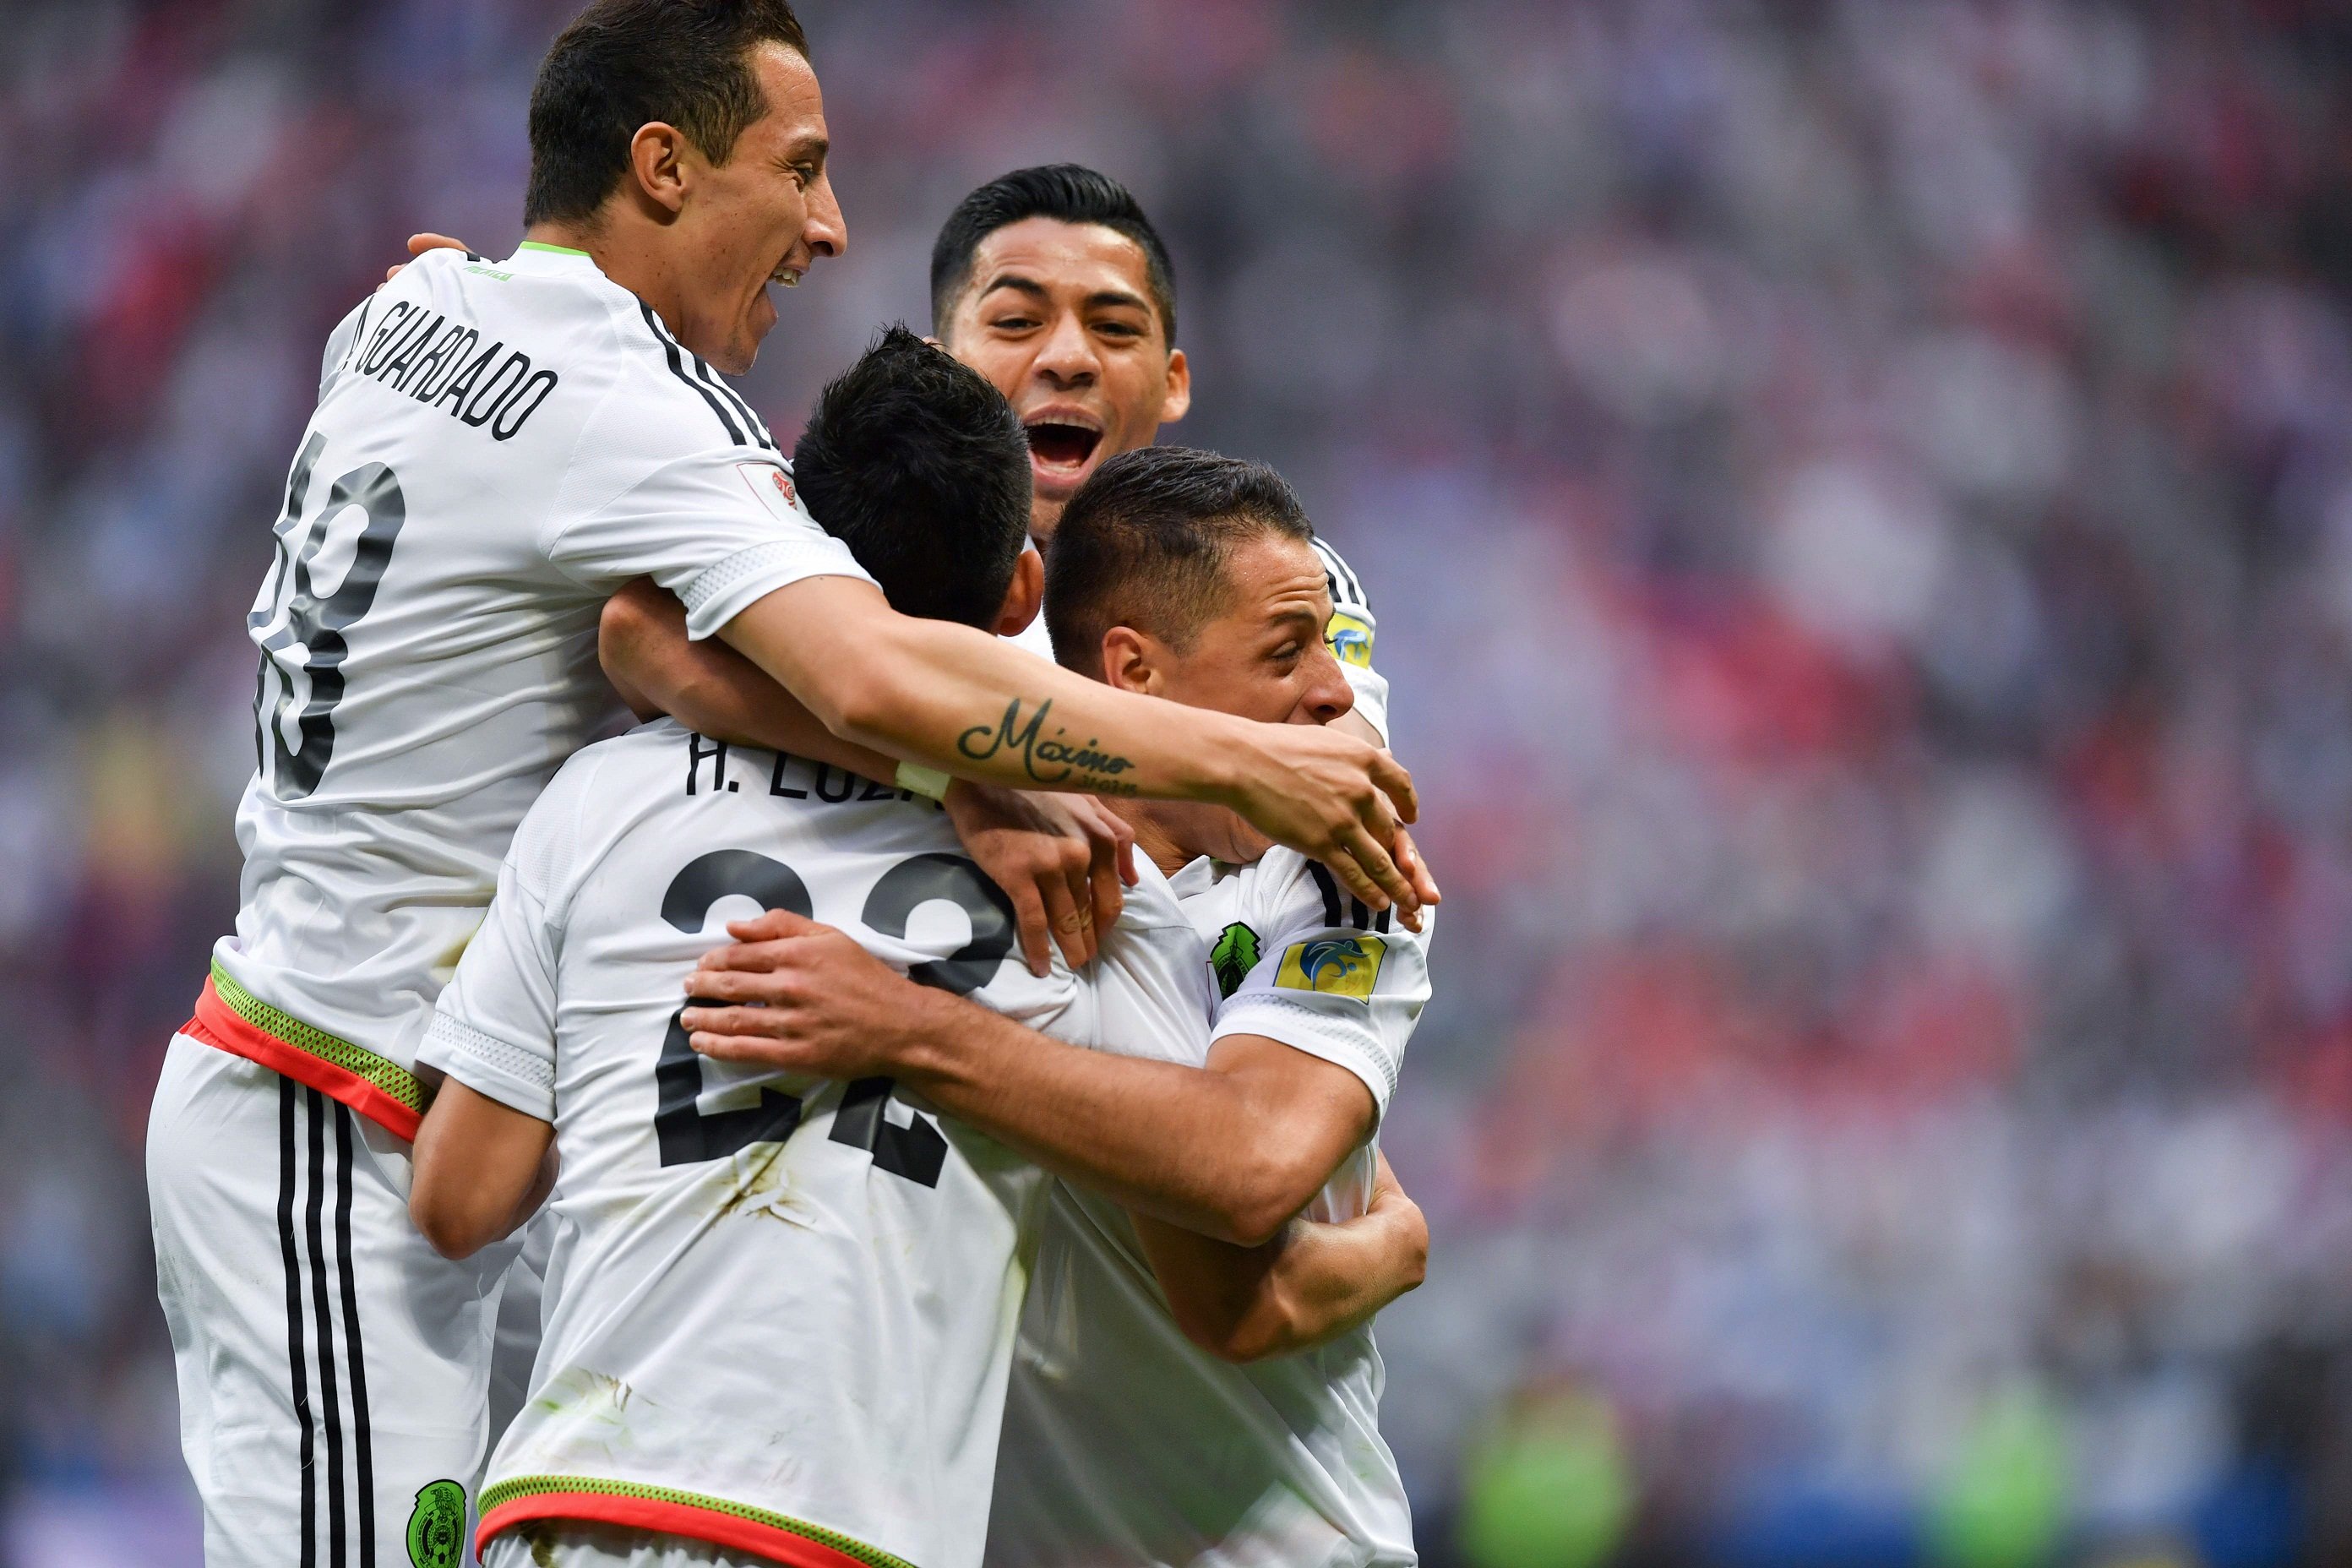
{"x":789,"y":778}
{"x":440,"y":363}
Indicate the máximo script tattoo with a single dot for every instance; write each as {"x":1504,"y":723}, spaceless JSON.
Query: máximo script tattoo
{"x":1048,"y":759}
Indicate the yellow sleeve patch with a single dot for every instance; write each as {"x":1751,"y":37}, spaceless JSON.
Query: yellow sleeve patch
{"x":1334,"y":966}
{"x":1351,"y":639}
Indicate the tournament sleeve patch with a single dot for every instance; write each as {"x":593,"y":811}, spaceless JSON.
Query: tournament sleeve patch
{"x":1333,"y":965}
{"x":1350,"y":638}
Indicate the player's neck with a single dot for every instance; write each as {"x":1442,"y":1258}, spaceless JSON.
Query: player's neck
{"x":642,"y":271}
{"x":1174,"y":833}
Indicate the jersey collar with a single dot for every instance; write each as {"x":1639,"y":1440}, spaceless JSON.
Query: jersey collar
{"x":532,"y":255}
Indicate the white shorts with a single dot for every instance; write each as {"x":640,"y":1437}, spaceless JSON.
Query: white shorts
{"x":333,"y":1368}
{"x":563,"y":1543}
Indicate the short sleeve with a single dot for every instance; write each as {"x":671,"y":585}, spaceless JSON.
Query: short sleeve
{"x":1326,"y":976}
{"x":1350,"y":634}
{"x":721,"y":529}
{"x":494,"y":1027}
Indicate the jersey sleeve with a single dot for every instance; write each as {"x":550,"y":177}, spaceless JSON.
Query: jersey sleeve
{"x":493,"y":1029}
{"x":721,"y":529}
{"x":1350,"y":634}
{"x":1327,"y":976}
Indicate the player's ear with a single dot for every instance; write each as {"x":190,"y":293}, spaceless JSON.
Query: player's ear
{"x":1132,"y":660}
{"x":656,"y":165}
{"x":1178,"y":400}
{"x":1024,"y":596}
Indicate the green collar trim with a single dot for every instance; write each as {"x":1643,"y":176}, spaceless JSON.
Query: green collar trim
{"x":554,"y":250}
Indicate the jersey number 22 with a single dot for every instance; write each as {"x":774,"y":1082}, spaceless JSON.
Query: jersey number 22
{"x":687,"y":1135}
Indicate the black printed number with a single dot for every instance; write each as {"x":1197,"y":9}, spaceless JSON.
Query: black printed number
{"x":917,"y":1151}
{"x":301,"y":618}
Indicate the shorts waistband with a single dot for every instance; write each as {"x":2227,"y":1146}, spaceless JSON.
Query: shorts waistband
{"x":665,"y":1511}
{"x":236,"y":1021}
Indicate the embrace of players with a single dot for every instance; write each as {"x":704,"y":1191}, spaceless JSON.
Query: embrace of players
{"x":925,"y":1161}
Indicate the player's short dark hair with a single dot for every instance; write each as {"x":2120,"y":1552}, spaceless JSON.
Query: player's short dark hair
{"x":1145,"y":542}
{"x":623,"y":64}
{"x":921,"y":467}
{"x":1070,"y":191}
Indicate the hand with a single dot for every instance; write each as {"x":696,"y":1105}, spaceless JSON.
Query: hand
{"x":1060,"y":859}
{"x":1333,"y":798}
{"x":1409,"y":861}
{"x":418,"y":244}
{"x":804,"y":997}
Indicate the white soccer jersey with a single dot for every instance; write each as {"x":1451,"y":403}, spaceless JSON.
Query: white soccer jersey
{"x":497,"y":447}
{"x":783,"y":1309}
{"x":1125,"y":1445}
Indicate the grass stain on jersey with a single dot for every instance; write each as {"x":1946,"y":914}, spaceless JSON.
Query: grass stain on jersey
{"x":1235,"y":954}
{"x":763,"y":1191}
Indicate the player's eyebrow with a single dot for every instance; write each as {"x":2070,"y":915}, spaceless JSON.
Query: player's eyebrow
{"x":1036,"y":290}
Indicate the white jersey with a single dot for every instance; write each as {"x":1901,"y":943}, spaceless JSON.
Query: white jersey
{"x":783,"y":1309}
{"x":497,"y":447}
{"x":1125,"y":1446}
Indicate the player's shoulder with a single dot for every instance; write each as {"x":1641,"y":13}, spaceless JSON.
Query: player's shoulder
{"x":668,"y":399}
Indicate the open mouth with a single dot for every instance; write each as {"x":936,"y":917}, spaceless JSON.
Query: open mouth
{"x":1062,"y":445}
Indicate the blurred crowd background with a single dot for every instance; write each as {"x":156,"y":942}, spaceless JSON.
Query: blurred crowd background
{"x":1859,"y":501}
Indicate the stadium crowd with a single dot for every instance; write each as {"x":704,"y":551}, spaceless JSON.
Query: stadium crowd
{"x":1859,"y":499}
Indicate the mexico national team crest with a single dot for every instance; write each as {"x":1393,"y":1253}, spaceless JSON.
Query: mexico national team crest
{"x":1350,"y":638}
{"x":437,"y":1526}
{"x":1334,"y":966}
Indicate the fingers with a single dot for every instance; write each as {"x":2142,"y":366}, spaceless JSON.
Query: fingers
{"x":1390,"y":886}
{"x":1394,"y":781}
{"x":751,"y":1023}
{"x":1109,"y":896}
{"x":1029,"y":916}
{"x":1351,"y":874}
{"x":1073,"y":931}
{"x":762,"y":988}
{"x":1408,"y":853}
{"x":1079,"y":863}
{"x":745,"y":1048}
{"x":418,"y":244}
{"x":774,"y":926}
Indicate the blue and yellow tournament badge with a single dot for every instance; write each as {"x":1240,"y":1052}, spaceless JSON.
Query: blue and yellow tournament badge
{"x":1334,"y":966}
{"x":1350,"y":638}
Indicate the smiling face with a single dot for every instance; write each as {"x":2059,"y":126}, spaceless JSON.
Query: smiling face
{"x":1261,"y":655}
{"x":763,"y":216}
{"x":1059,"y":317}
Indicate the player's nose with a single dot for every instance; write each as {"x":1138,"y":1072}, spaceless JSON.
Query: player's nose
{"x":1328,"y":694}
{"x":1067,"y":355}
{"x":826,"y":231}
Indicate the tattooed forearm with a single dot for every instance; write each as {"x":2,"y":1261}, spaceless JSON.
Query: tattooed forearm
{"x":1048,"y":759}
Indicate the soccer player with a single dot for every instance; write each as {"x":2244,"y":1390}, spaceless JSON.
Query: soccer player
{"x":1129,"y":1439}
{"x":787,"y":1307}
{"x":1054,"y":283}
{"x":499,"y":445}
